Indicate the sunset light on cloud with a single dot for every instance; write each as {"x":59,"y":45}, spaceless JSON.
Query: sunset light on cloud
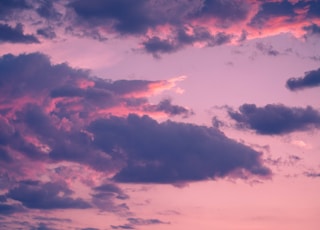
{"x":160,"y":114}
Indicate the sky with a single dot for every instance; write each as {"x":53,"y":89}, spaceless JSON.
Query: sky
{"x":159,"y":114}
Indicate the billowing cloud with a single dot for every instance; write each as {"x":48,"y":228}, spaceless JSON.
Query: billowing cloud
{"x":15,"y":35}
{"x":53,"y":113}
{"x":275,"y":119}
{"x":171,"y":152}
{"x":309,"y":80}
{"x":87,"y":134}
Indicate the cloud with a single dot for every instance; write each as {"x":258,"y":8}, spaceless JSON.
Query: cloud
{"x":50,"y":195}
{"x":57,"y":115}
{"x":309,"y":80}
{"x":182,"y":38}
{"x":312,"y":174}
{"x":140,"y":221}
{"x":171,"y":152}
{"x":47,"y":10}
{"x":111,"y":190}
{"x":125,"y":226}
{"x":267,"y":49}
{"x":7,"y":7}
{"x":133,"y":222}
{"x":165,"y":26}
{"x":312,"y":29}
{"x":8,"y":209}
{"x":15,"y":35}
{"x":275,"y":119}
{"x":272,"y":9}
{"x":47,"y":32}
{"x":170,"y":109}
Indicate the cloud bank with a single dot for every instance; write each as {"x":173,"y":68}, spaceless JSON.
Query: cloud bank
{"x":163,"y":26}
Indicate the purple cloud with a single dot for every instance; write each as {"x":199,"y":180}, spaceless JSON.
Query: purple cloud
{"x":309,"y":80}
{"x":50,"y":195}
{"x":275,"y":119}
{"x":15,"y":35}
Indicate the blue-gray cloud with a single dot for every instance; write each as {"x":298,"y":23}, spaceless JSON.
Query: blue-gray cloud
{"x":171,"y":152}
{"x":15,"y":34}
{"x":309,"y":80}
{"x":37,"y":195}
{"x":275,"y":119}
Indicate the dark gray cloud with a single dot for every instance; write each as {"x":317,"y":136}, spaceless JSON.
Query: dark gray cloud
{"x":52,"y":219}
{"x":47,"y":10}
{"x":15,"y":35}
{"x":309,"y":80}
{"x":7,"y":7}
{"x":171,"y":152}
{"x":53,"y":113}
{"x":111,"y":189}
{"x":275,"y":119}
{"x":312,"y":29}
{"x":123,"y":15}
{"x":273,"y":9}
{"x":170,"y":109}
{"x":228,"y":11}
{"x":157,"y":46}
{"x":50,"y":195}
{"x":8,"y":209}
{"x":269,"y":10}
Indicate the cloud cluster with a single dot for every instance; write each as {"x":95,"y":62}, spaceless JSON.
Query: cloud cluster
{"x":166,"y":26}
{"x":52,"y":116}
{"x":275,"y":119}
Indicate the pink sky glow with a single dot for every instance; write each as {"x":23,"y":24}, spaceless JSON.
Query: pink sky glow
{"x":147,"y":114}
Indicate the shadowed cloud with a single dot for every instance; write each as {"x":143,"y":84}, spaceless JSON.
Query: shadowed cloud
{"x":172,"y":152}
{"x":166,"y":26}
{"x":15,"y":35}
{"x":53,"y":116}
{"x":7,"y":7}
{"x":50,"y":195}
{"x":275,"y":119}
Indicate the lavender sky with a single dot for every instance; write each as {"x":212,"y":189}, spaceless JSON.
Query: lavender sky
{"x":159,"y":114}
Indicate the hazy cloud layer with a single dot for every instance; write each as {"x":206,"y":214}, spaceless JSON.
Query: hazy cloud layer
{"x":309,"y":80}
{"x":275,"y":119}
